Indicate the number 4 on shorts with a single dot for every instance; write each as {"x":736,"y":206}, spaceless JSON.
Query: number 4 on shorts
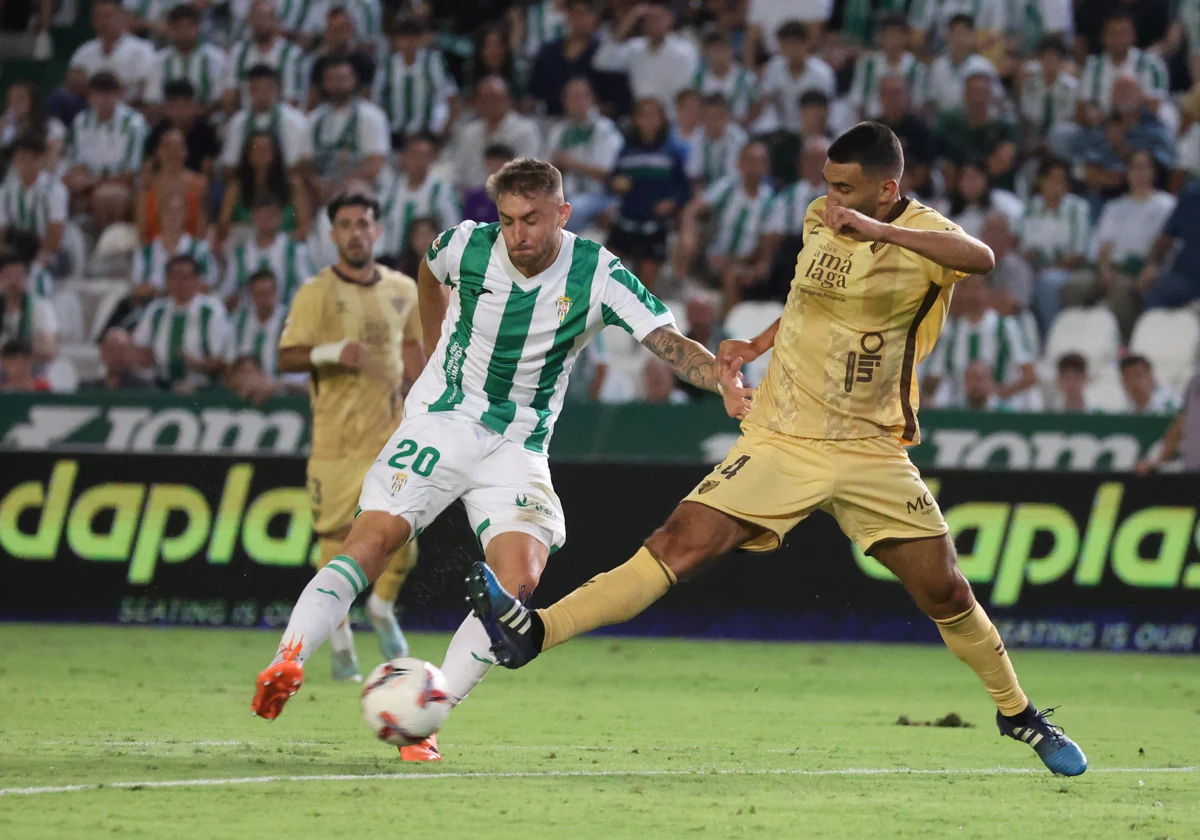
{"x":732,"y":469}
{"x":427,"y":458}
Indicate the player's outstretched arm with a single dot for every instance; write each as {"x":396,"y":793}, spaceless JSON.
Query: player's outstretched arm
{"x":692,"y":363}
{"x":950,"y":249}
{"x":433,"y":300}
{"x":747,"y":351}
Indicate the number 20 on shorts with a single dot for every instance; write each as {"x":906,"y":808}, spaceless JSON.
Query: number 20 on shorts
{"x":426,"y":459}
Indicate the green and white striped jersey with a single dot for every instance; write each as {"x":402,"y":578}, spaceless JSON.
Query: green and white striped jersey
{"x":288,"y":124}
{"x":1029,"y":21}
{"x":311,"y":17}
{"x":107,"y":148}
{"x":934,"y":15}
{"x":200,"y":328}
{"x":401,"y":204}
{"x":31,"y":208}
{"x":283,"y":56}
{"x":739,"y":87}
{"x":260,"y":339}
{"x":596,"y":140}
{"x":204,"y":67}
{"x":1044,"y":105}
{"x":343,"y":137}
{"x":709,"y":160}
{"x":285,"y":257}
{"x":1100,"y":71}
{"x":788,"y":207}
{"x":26,"y":320}
{"x":150,"y":261}
{"x":544,"y":22}
{"x":871,"y":67}
{"x":737,"y":216}
{"x":509,"y":341}
{"x":996,"y":340}
{"x":1053,"y":234}
{"x":415,"y":96}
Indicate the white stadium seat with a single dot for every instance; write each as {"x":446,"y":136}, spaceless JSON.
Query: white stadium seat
{"x":62,"y":376}
{"x":746,"y":320}
{"x":69,"y":311}
{"x":1090,"y":331}
{"x":1169,"y":338}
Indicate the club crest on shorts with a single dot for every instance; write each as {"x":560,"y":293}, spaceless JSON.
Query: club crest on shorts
{"x":707,"y":485}
{"x":398,"y":479}
{"x":564,"y":306}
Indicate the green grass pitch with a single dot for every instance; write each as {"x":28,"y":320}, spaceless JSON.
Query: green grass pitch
{"x":605,"y":738}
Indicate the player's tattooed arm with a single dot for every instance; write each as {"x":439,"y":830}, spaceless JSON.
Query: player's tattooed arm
{"x":690,"y":359}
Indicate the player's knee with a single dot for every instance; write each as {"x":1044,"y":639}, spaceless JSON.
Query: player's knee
{"x":949,"y":595}
{"x":680,"y":546}
{"x":373,"y":540}
{"x":517,"y":559}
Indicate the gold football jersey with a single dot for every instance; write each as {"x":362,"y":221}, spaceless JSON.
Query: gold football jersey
{"x":354,"y":412}
{"x":859,"y":318}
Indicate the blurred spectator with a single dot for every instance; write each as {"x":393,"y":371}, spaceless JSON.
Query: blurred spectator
{"x":476,"y":203}
{"x":896,"y":112}
{"x":736,"y":206}
{"x":584,"y":146}
{"x":1048,"y":99}
{"x":950,"y":72}
{"x":188,"y":59}
{"x":421,"y":233}
{"x":785,"y":146}
{"x":182,"y":111}
{"x":104,"y":152}
{"x":934,"y":21}
{"x":256,"y":330}
{"x":689,"y":106}
{"x":977,"y":132}
{"x":117,"y":354}
{"x":659,"y":62}
{"x":306,"y":23}
{"x":650,"y":178}
{"x":268,"y":247}
{"x":150,"y":261}
{"x":569,"y":57}
{"x":1143,"y":393}
{"x":264,"y":112}
{"x":720,"y":73}
{"x":130,"y":60}
{"x":1119,"y":58}
{"x":1181,"y":284}
{"x":590,"y":372}
{"x":25,"y":114}
{"x":496,"y":56}
{"x":25,"y":246}
{"x":1124,"y":238}
{"x":261,"y":174}
{"x":263,"y":45}
{"x":978,"y":335}
{"x":350,"y":135}
{"x":791,"y":74}
{"x":1054,"y":237}
{"x":183,"y":335}
{"x":1151,"y":19}
{"x":1132,"y":127}
{"x":169,"y":176}
{"x":703,"y":311}
{"x":1071,"y":385}
{"x":416,"y":192}
{"x":659,"y":383}
{"x":25,"y":316}
{"x":16,"y":369}
{"x":545,"y":21}
{"x":338,"y":44}
{"x":716,"y":145}
{"x":974,"y":198}
{"x":783,"y":228}
{"x":1011,"y":282}
{"x":414,"y":88}
{"x":1031,"y":23}
{"x":891,"y":61}
{"x":34,"y":202}
{"x":498,"y":123}
{"x":1182,"y":438}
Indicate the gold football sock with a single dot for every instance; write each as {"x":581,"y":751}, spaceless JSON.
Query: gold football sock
{"x":973,"y":638}
{"x":609,"y":598}
{"x":387,"y":587}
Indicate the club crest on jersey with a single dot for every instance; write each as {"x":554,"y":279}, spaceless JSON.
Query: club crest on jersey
{"x":398,"y":479}
{"x":564,"y":306}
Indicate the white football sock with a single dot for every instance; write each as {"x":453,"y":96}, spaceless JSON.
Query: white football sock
{"x":323,"y":605}
{"x":380,"y":610}
{"x":342,"y":638}
{"x":468,"y":658}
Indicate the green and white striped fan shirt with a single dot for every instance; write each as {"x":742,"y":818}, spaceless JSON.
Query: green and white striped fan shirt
{"x":737,"y":216}
{"x":1044,"y":105}
{"x":110,"y":147}
{"x":415,"y":96}
{"x":544,"y":22}
{"x":1100,"y":71}
{"x":788,"y":207}
{"x":343,"y":137}
{"x":596,"y":140}
{"x":996,"y":340}
{"x":509,"y":341}
{"x":871,"y":67}
{"x":1029,"y":21}
{"x":260,"y":339}
{"x":283,"y":56}
{"x":739,"y":87}
{"x":709,"y":160}
{"x":1053,"y":234}
{"x":311,"y":17}
{"x":200,"y":328}
{"x":150,"y":261}
{"x":927,"y":15}
{"x":285,"y":257}
{"x":204,"y":67}
{"x":32,"y":208}
{"x":402,"y":204}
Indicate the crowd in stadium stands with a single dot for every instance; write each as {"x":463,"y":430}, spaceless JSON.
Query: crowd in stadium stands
{"x":162,"y":202}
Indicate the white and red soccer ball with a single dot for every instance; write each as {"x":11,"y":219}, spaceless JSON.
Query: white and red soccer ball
{"x":404,"y":701}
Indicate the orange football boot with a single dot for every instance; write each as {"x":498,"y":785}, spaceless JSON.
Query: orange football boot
{"x":276,"y":683}
{"x":427,"y":750}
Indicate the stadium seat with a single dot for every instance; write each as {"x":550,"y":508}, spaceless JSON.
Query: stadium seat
{"x":69,"y":310}
{"x":85,"y":358}
{"x":62,"y":376}
{"x":99,"y":298}
{"x":1170,"y":339}
{"x":1090,"y":331}
{"x":1105,"y":393}
{"x":746,"y":320}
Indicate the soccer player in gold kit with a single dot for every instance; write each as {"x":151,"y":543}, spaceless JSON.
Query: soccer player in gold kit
{"x":356,"y":329}
{"x":826,"y":430}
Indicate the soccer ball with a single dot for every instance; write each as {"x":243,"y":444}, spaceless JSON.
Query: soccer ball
{"x":404,"y":701}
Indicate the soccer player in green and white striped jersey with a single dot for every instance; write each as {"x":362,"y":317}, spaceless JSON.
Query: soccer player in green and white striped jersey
{"x":416,"y":192}
{"x":524,"y":298}
{"x":716,"y":145}
{"x":189,"y":58}
{"x":183,"y":336}
{"x":413,"y":87}
{"x":33,"y":201}
{"x":267,"y":248}
{"x":264,"y":46}
{"x":150,"y":261}
{"x":719,"y":73}
{"x":1121,"y":57}
{"x":891,"y":59}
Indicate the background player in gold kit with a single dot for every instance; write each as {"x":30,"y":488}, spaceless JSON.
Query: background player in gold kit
{"x":825,"y":431}
{"x":356,"y":328}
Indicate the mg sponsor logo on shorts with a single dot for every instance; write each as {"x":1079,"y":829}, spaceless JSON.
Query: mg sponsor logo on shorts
{"x":923,"y":504}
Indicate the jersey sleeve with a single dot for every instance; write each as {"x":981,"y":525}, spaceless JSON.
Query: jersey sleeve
{"x":446,"y":251}
{"x":374,"y":138}
{"x":56,"y":203}
{"x":930,"y":219}
{"x":304,"y":317}
{"x":626,"y":303}
{"x":220,"y":332}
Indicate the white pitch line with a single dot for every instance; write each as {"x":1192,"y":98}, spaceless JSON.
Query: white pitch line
{"x":562,"y":774}
{"x":548,"y":747}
